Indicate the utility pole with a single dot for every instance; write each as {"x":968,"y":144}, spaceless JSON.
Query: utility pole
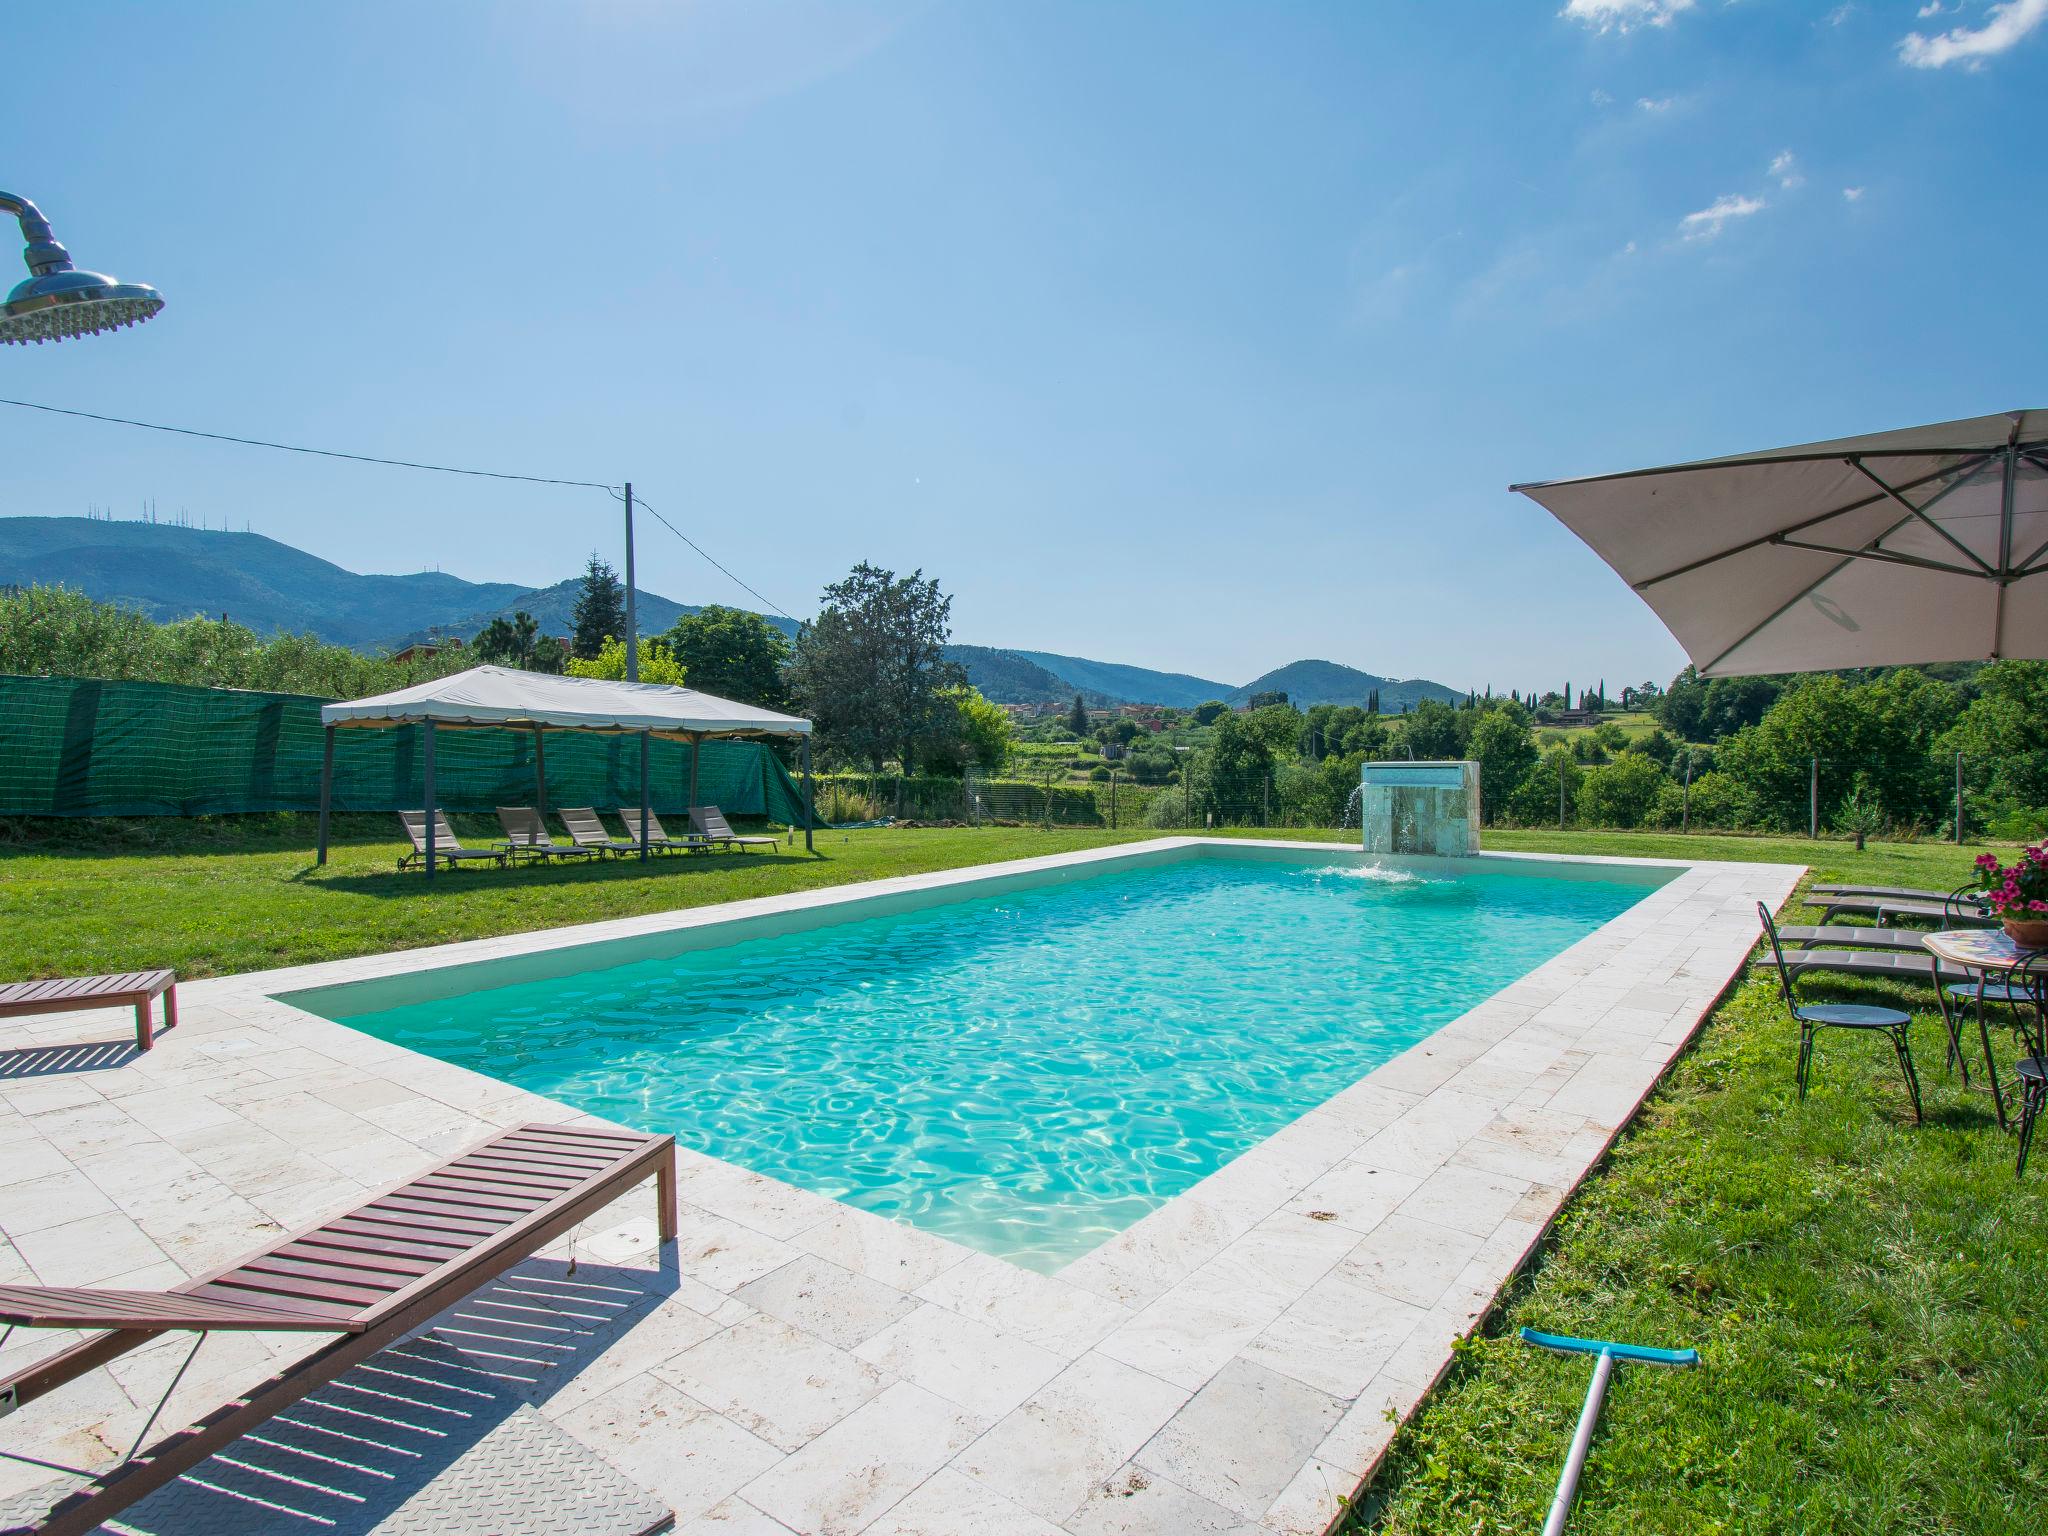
{"x":632,"y":629}
{"x":1813,"y":801}
{"x":1959,"y":799}
{"x":1685,"y":811}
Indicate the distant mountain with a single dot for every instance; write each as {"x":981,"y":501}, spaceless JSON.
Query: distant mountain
{"x":168,"y":572}
{"x":1006,"y":677}
{"x":1128,"y":685}
{"x":1308,"y":683}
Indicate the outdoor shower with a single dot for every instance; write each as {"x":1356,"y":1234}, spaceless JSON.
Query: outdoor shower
{"x":57,"y":301}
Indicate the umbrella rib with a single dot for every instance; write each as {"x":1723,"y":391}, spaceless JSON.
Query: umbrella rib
{"x":1757,"y":461}
{"x":1921,"y":513}
{"x":1889,"y":558}
{"x":1776,"y":614}
{"x":1961,"y":470}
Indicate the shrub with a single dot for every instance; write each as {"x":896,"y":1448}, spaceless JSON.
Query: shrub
{"x":1623,"y":793}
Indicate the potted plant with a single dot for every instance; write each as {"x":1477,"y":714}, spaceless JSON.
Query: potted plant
{"x":2018,"y":893}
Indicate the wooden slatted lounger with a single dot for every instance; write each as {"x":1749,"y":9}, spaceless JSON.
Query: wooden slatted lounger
{"x":370,"y":1276}
{"x":68,"y":994}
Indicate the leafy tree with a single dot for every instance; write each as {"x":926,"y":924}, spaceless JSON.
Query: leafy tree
{"x":1372,"y":703}
{"x":1534,"y":802}
{"x":1501,"y":746}
{"x":1211,"y":712}
{"x":1266,"y":698}
{"x":600,"y":611}
{"x":1149,"y":763}
{"x":871,"y":670}
{"x":982,"y":728}
{"x":1623,"y":793}
{"x":657,"y":663}
{"x":1118,"y":732}
{"x":56,"y":631}
{"x":1435,"y":731}
{"x":734,"y":654}
{"x":1231,"y":774}
{"x":2003,"y":736}
{"x":518,"y":642}
{"x":1276,"y":728}
{"x":1077,"y":717}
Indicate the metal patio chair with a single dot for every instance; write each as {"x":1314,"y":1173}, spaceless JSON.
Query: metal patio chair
{"x":1812,"y":1018}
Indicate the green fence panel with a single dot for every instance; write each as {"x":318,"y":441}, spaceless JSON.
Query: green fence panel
{"x":74,"y":746}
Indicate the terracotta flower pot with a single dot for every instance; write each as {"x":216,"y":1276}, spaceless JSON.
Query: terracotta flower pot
{"x":2027,"y":933}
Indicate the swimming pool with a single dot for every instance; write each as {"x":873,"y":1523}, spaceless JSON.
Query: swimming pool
{"x":1025,"y":1068}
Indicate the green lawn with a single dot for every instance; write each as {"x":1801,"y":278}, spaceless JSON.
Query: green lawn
{"x":208,"y":898}
{"x":1867,"y":1294}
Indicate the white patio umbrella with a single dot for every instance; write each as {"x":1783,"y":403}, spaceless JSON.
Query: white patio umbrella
{"x":1902,"y":547}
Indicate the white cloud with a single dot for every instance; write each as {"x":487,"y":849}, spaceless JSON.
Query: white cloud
{"x":1656,"y":103}
{"x":1841,"y":13}
{"x":1625,"y":15}
{"x":2004,"y":27}
{"x":1709,"y":221}
{"x":1936,"y":8}
{"x":1852,"y":194}
{"x":1602,"y":99}
{"x":1785,"y":166}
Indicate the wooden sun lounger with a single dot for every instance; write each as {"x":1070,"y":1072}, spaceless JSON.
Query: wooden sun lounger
{"x":69,"y":994}
{"x":587,"y":830}
{"x":370,"y":1276}
{"x":526,"y":833}
{"x":446,"y":849}
{"x":711,"y":824}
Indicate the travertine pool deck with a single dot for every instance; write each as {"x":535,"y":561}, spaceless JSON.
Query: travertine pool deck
{"x":1226,"y":1365}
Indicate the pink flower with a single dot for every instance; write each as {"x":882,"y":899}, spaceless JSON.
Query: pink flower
{"x":2037,"y":906}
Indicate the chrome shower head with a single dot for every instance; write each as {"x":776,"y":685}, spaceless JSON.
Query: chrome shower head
{"x":57,"y":301}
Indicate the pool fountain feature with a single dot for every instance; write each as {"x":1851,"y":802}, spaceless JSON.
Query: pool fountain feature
{"x":1428,"y":808}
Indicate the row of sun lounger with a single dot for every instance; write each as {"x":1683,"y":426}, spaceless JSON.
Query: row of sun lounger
{"x":527,"y":836}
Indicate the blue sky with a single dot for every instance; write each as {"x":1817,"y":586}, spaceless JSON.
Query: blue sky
{"x":1198,"y":336}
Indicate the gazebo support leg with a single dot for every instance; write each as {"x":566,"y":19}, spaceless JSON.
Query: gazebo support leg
{"x":326,"y":790}
{"x":645,"y":738}
{"x":427,"y":775}
{"x":810,"y":800}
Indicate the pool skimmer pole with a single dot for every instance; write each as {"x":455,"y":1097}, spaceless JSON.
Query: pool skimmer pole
{"x":1606,"y":1353}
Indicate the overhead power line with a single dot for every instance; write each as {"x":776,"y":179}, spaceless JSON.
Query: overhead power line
{"x":324,"y":453}
{"x":643,"y":505}
{"x":371,"y":458}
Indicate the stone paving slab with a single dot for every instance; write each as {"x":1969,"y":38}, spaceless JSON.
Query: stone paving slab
{"x":791,"y":1365}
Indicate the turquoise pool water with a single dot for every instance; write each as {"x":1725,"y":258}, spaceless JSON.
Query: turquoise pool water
{"x":1026,"y":1072}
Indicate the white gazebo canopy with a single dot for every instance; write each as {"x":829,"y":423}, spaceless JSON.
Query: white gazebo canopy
{"x":505,"y":696}
{"x":509,"y":699}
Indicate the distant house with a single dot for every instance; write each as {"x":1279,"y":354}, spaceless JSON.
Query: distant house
{"x":1568,"y":717}
{"x":426,"y":648}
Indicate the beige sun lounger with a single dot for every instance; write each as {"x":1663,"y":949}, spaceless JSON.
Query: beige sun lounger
{"x":526,"y":833}
{"x":589,"y":831}
{"x":711,"y":824}
{"x":446,"y":848}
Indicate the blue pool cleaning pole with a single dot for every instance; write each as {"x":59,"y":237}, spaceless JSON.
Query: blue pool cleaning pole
{"x":1596,"y":1392}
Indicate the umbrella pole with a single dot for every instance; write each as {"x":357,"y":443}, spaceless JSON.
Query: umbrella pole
{"x":327,"y":789}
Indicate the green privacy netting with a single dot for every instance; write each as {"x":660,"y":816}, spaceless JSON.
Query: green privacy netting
{"x":80,"y":746}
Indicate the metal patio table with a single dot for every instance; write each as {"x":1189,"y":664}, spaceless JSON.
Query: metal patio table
{"x":1991,"y":952}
